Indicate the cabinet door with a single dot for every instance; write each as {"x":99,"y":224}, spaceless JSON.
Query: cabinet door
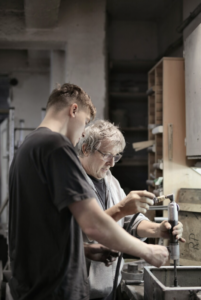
{"x":193,"y":93}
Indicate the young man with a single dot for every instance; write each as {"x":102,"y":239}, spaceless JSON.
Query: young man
{"x":99,"y":150}
{"x":50,"y":200}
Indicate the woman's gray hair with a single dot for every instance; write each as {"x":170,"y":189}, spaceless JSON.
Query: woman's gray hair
{"x":96,"y":133}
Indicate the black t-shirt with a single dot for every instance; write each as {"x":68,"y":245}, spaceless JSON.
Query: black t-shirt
{"x":45,"y":241}
{"x":101,"y":190}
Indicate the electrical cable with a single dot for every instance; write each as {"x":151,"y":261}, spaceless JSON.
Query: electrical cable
{"x":128,"y":229}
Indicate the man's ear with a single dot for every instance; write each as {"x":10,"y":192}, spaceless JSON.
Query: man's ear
{"x":84,"y":150}
{"x":73,"y":109}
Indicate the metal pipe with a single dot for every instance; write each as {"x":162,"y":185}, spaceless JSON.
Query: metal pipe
{"x":159,"y":207}
{"x":188,"y":20}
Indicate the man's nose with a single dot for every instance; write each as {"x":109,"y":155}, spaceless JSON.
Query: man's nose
{"x":111,"y":162}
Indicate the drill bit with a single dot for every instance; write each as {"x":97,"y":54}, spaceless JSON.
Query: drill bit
{"x":175,"y":273}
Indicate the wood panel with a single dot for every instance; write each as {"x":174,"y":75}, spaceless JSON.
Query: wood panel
{"x":167,"y":81}
{"x":190,"y":252}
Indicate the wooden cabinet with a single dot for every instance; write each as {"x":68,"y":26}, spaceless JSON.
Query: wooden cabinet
{"x":166,"y":114}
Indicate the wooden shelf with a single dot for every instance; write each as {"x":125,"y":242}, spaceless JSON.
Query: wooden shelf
{"x":166,"y":79}
{"x":131,"y":65}
{"x":127,"y":95}
{"x":131,"y":163}
{"x":134,"y":129}
{"x":4,"y":111}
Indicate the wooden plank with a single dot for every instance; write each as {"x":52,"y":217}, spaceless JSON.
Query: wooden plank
{"x":159,"y":98}
{"x":190,"y":200}
{"x":160,"y":63}
{"x":159,"y":116}
{"x":159,"y":107}
{"x":188,"y":262}
{"x":190,"y":207}
{"x":191,"y":250}
{"x":142,"y":145}
{"x":190,"y":196}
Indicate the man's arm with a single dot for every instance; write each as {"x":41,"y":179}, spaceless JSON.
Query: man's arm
{"x":98,"y":252}
{"x":99,"y":226}
{"x":134,"y":202}
{"x":151,"y":229}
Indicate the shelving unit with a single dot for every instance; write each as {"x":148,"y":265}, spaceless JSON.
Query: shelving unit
{"x":158,"y":98}
{"x":128,"y":95}
{"x":166,"y":108}
{"x":128,"y":109}
{"x":134,"y":129}
{"x":131,"y":163}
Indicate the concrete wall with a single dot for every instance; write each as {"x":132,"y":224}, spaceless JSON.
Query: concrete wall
{"x":129,"y":40}
{"x":29,"y":96}
{"x":80,"y":32}
{"x":73,"y":51}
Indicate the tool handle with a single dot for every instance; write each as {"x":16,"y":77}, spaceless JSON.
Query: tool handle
{"x":173,"y":238}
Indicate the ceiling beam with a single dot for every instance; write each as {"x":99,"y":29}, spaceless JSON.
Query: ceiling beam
{"x":41,"y":13}
{"x":33,"y":45}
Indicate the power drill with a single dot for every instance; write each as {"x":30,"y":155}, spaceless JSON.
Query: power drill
{"x":173,"y":248}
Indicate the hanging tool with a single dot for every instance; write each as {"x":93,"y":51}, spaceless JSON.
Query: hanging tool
{"x":173,"y":209}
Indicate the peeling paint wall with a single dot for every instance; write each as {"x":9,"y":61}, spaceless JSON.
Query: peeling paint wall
{"x":80,"y":32}
{"x":29,"y":96}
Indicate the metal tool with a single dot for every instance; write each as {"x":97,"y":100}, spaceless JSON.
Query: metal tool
{"x":133,"y":282}
{"x":173,"y":248}
{"x":130,"y":272}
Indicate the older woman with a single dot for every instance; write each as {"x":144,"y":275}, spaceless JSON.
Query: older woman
{"x":99,"y":150}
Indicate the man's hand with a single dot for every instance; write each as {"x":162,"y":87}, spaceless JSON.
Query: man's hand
{"x":177,"y":230}
{"x":136,"y":201}
{"x":98,"y":252}
{"x":156,"y":255}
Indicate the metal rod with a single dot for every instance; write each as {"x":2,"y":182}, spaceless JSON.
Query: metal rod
{"x":159,"y":207}
{"x":190,"y":18}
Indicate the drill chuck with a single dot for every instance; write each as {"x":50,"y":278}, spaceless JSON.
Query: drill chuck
{"x":174,"y":251}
